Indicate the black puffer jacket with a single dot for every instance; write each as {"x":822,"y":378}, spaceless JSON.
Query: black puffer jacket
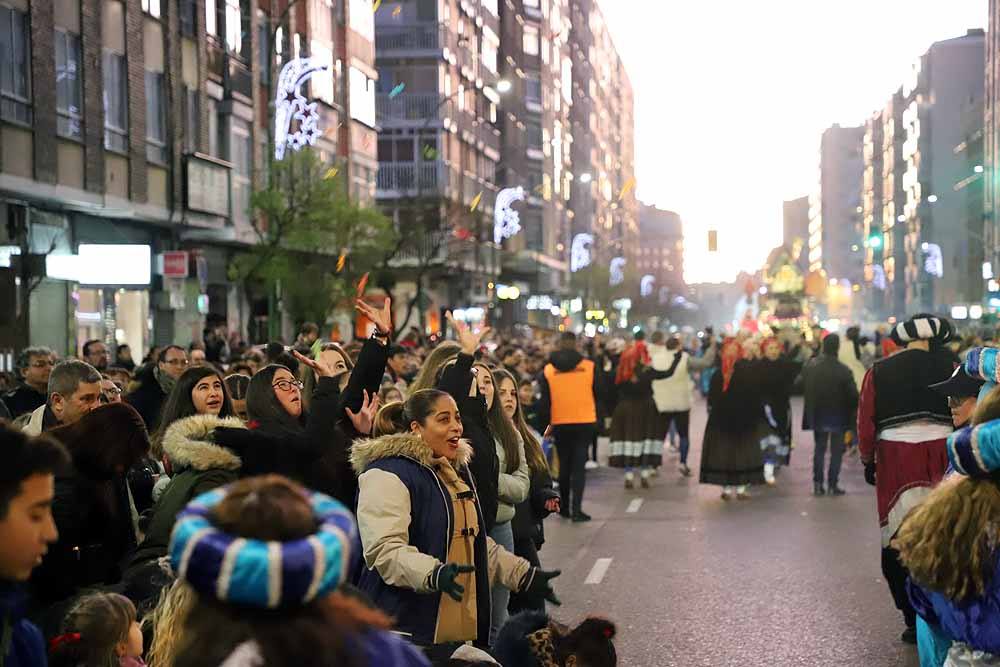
{"x":527,"y":521}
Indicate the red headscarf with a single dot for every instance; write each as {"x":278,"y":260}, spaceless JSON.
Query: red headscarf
{"x":730,"y":353}
{"x":635,"y":354}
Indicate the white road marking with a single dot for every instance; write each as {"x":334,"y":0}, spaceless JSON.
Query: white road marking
{"x":634,"y":506}
{"x":597,"y":572}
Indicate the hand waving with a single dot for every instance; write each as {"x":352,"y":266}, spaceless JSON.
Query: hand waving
{"x":364,"y":419}
{"x":466,"y":337}
{"x":322,"y":368}
{"x":382,"y":319}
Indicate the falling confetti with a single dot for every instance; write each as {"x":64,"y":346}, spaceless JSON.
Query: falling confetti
{"x":362,"y":284}
{"x":341,"y":260}
{"x":331,"y":173}
{"x":396,"y":11}
{"x":397,"y":90}
{"x":475,"y":202}
{"x":430,"y":153}
{"x":628,"y":188}
{"x":378,"y":3}
{"x":540,"y":188}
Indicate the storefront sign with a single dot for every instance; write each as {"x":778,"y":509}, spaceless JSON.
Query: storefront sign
{"x":98,"y":264}
{"x":175,"y":264}
{"x":207,"y":187}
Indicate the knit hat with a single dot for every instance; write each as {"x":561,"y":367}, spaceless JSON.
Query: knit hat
{"x":981,"y":363}
{"x":923,"y":327}
{"x":258,"y":573}
{"x":975,"y":450}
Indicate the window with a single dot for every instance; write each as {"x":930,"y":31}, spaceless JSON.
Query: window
{"x":264,"y":51}
{"x":491,"y":7}
{"x":192,"y":120}
{"x":241,"y":155}
{"x":235,"y":32}
{"x":115,"y":103}
{"x":533,"y":89}
{"x":490,"y":45}
{"x":214,"y":147}
{"x":362,"y":97}
{"x":15,"y":86}
{"x":68,"y":91}
{"x":151,"y":7}
{"x":362,"y":18}
{"x":532,"y":3}
{"x":530,"y":42}
{"x":188,"y":12}
{"x":156,"y":126}
{"x":533,"y":134}
{"x":211,"y":18}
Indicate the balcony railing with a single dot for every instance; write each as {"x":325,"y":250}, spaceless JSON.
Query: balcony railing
{"x":409,"y":107}
{"x":442,"y":248}
{"x":410,"y":38}
{"x":409,"y":178}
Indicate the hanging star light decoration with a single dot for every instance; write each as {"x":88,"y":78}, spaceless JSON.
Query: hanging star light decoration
{"x":506,"y":221}
{"x":646,"y":285}
{"x":580,"y":256}
{"x":290,"y":105}
{"x":617,"y":270}
{"x":629,"y":184}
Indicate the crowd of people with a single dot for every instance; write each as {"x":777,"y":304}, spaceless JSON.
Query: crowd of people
{"x":384,"y":503}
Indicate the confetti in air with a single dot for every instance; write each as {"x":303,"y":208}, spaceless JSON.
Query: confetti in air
{"x":430,"y":153}
{"x":397,"y":90}
{"x":629,"y":184}
{"x":331,"y":173}
{"x":341,"y":260}
{"x":378,"y":3}
{"x":475,"y":202}
{"x":397,"y":11}
{"x":362,"y":284}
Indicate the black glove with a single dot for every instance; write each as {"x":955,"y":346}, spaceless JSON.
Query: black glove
{"x":537,"y":583}
{"x":443,"y":579}
{"x":870,"y":473}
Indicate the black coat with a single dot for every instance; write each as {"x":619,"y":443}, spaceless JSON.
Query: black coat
{"x":831,"y":397}
{"x":527,"y":521}
{"x":485,"y":467}
{"x":23,"y":400}
{"x":148,"y":400}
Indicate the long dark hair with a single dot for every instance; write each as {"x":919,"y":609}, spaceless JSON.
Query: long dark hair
{"x":500,"y":427}
{"x":532,"y":448}
{"x":322,"y":632}
{"x":263,"y":406}
{"x":396,"y":417}
{"x":180,"y":404}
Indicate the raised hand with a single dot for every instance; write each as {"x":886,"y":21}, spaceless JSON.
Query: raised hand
{"x":322,"y":368}
{"x":364,"y":419}
{"x":382,"y":319}
{"x":468,"y":339}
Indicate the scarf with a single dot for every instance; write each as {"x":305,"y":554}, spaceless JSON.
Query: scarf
{"x":635,"y":354}
{"x":165,"y":380}
{"x":730,"y":353}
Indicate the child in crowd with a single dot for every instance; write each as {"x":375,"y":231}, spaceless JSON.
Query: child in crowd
{"x":99,"y":631}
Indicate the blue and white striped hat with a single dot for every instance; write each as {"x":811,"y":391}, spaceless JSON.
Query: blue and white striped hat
{"x":975,"y":450}
{"x":259,"y":573}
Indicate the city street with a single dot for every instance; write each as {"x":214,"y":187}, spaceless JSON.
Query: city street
{"x":782,"y":579}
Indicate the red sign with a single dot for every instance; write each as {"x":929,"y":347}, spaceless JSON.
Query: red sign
{"x":175,"y":264}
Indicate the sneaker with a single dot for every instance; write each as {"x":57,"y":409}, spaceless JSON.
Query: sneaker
{"x":629,"y":480}
{"x":580,"y":517}
{"x":727,"y":494}
{"x":837,"y":491}
{"x":769,"y":473}
{"x":644,"y":481}
{"x":818,"y":489}
{"x":684,"y":470}
{"x":591,"y":465}
{"x":743,"y":494}
{"x":909,"y":636}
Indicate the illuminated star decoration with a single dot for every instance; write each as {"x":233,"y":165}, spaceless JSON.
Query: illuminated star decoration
{"x":629,"y":184}
{"x":579,"y":256}
{"x":617,"y":269}
{"x":506,"y":221}
{"x":290,"y":104}
{"x":933,"y":260}
{"x":646,"y":285}
{"x":475,"y":202}
{"x":397,"y":90}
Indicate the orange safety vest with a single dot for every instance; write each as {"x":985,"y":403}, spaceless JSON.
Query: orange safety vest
{"x":571,"y":394}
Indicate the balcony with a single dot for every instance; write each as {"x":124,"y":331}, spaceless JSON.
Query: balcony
{"x":411,"y":41}
{"x":409,"y":179}
{"x":443,"y":249}
{"x":409,"y":109}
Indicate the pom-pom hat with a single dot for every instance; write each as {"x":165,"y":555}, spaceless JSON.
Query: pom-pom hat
{"x":258,"y":573}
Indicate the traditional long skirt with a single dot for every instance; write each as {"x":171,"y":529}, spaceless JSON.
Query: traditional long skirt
{"x":636,"y":434}
{"x":731,"y":457}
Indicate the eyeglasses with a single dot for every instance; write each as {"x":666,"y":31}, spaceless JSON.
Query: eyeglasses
{"x":286,"y":385}
{"x":177,"y":362}
{"x":956,"y":401}
{"x":42,"y":363}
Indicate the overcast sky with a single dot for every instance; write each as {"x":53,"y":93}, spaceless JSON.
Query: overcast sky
{"x":732,"y":96}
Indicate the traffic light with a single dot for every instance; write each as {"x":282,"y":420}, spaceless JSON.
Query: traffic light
{"x":713,"y":240}
{"x":875,"y":240}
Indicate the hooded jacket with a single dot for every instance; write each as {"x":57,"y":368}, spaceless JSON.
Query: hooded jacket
{"x":568,"y":390}
{"x":406,"y":521}
{"x":199,"y":465}
{"x":27,"y":646}
{"x":513,"y":646}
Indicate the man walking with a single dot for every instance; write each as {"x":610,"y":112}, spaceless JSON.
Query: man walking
{"x":903,"y":425}
{"x":831,"y":403}
{"x":569,"y":407}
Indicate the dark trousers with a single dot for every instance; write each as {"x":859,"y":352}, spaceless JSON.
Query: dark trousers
{"x":680,"y":421}
{"x":836,"y":444}
{"x":519,"y":602}
{"x":572,"y":441}
{"x":593,"y":447}
{"x":895,"y":575}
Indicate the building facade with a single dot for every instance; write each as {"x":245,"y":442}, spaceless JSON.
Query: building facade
{"x":134,"y":128}
{"x":795,"y":228}
{"x":835,"y":208}
{"x":991,"y":142}
{"x":661,"y":256}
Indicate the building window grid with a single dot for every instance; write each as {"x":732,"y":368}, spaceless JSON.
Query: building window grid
{"x":192,"y":128}
{"x":241,"y":156}
{"x":151,"y":7}
{"x":156,"y":131}
{"x":188,"y":17}
{"x":115,"y":103}
{"x":15,"y":80}
{"x":69,"y":120}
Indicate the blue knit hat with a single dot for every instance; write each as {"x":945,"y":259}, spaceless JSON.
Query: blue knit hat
{"x":260,"y":573}
{"x":975,"y":450}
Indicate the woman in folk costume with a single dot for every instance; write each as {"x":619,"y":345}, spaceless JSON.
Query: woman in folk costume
{"x":775,"y":376}
{"x":902,"y":427}
{"x":636,"y":438}
{"x":730,"y":453}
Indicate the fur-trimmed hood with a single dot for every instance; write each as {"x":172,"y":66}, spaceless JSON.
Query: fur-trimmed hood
{"x":366,"y":452}
{"x":188,"y":443}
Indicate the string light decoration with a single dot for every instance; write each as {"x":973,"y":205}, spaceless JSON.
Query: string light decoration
{"x":579,"y":256}
{"x":646,"y":285}
{"x":506,"y":221}
{"x":617,"y":270}
{"x":290,"y":105}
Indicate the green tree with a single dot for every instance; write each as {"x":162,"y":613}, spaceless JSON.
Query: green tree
{"x":305,"y":225}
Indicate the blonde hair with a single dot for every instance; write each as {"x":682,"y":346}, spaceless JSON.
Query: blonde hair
{"x":429,"y":373}
{"x":988,"y":408}
{"x":167,"y":623}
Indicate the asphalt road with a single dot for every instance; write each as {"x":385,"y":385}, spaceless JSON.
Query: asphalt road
{"x":781,"y":579}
